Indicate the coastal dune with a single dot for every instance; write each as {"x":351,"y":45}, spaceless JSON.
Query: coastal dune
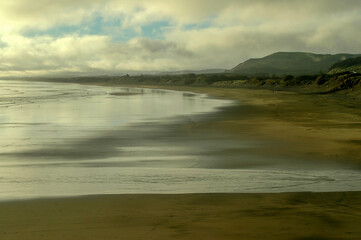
{"x":298,"y":216}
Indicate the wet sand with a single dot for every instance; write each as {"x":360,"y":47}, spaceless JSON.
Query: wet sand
{"x":298,"y":216}
{"x":317,"y":127}
{"x":324,"y":128}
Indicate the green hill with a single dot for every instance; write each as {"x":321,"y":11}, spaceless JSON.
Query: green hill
{"x":293,"y":63}
{"x":348,"y":65}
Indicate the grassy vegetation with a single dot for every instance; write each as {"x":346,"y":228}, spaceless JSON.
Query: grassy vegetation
{"x":314,"y":83}
{"x":341,"y":80}
{"x":348,"y":65}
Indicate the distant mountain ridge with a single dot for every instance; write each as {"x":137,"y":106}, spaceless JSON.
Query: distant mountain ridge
{"x":293,"y":63}
{"x":205,"y":71}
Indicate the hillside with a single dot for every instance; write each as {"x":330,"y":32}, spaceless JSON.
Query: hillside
{"x":293,"y":63}
{"x":348,"y":65}
{"x":205,"y":71}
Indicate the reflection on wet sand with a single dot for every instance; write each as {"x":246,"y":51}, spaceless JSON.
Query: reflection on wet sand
{"x":86,"y":140}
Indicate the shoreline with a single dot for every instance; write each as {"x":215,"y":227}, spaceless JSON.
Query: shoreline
{"x":293,"y":131}
{"x":323,"y":127}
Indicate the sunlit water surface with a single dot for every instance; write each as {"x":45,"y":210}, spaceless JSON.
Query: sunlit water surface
{"x":65,"y":139}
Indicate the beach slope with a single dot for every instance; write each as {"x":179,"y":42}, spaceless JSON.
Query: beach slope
{"x":298,"y":216}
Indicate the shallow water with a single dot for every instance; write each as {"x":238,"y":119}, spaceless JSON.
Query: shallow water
{"x":67,"y":139}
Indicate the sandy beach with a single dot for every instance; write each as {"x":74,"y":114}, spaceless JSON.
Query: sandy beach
{"x":298,"y":216}
{"x":319,"y":127}
{"x":180,"y":120}
{"x":323,"y":129}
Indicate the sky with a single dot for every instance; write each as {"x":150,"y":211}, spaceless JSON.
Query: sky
{"x":54,"y":37}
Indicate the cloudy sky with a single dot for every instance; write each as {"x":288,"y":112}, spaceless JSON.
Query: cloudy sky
{"x":114,"y":36}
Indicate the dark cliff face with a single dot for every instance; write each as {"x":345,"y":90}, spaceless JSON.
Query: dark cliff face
{"x":294,"y":63}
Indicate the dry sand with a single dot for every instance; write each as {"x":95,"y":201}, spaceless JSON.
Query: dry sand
{"x":323,"y":127}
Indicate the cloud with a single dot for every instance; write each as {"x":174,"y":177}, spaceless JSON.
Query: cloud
{"x":119,"y":35}
{"x":89,"y":54}
{"x":18,"y":14}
